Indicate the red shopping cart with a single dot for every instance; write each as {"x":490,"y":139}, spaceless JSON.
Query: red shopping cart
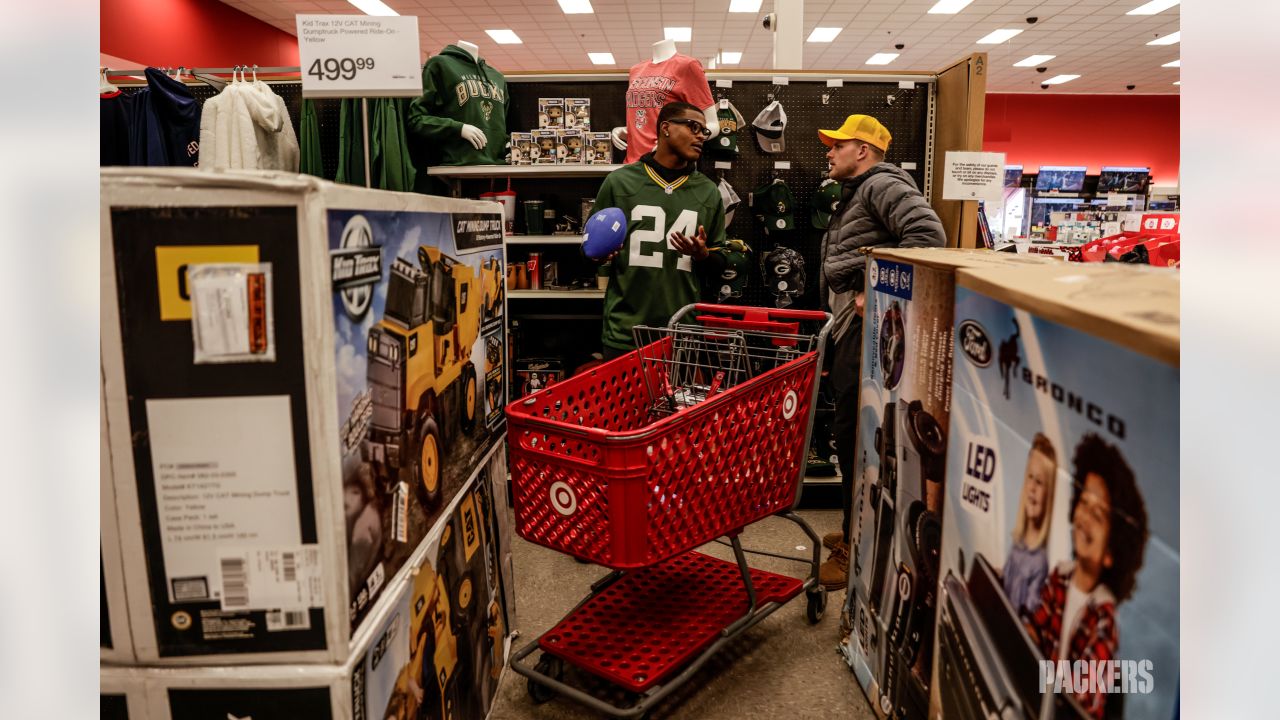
{"x":701,"y":431}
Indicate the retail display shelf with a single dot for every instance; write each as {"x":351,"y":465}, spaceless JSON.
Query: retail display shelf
{"x":543,"y":239}
{"x":535,"y":171}
{"x":553,"y":294}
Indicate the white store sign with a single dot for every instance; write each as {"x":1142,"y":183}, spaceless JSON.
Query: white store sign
{"x":974,"y":176}
{"x":359,"y":56}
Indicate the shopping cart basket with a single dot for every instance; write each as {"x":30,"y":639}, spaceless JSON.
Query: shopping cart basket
{"x":701,"y":431}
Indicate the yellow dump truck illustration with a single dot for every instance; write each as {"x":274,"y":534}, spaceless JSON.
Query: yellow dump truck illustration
{"x":423,"y":384}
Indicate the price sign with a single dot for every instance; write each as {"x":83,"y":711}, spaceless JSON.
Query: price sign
{"x":359,"y":56}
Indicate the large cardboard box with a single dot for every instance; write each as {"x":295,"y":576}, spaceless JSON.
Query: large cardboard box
{"x":114,"y":643}
{"x":904,"y":402}
{"x":294,"y":375}
{"x":1060,"y":552}
{"x":435,"y":647}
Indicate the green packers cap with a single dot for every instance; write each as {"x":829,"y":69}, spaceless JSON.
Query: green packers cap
{"x":730,"y":264}
{"x":773,"y":206}
{"x":824,"y":203}
{"x":724,"y":146}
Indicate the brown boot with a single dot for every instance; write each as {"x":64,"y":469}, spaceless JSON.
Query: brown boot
{"x":834,"y":573}
{"x":832,"y":539}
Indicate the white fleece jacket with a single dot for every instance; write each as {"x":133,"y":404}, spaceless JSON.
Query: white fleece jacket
{"x":247,"y":126}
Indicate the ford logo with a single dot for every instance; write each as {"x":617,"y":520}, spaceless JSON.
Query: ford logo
{"x":975,"y":343}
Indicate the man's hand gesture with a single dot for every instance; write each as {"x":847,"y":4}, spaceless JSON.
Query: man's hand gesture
{"x":695,"y":246}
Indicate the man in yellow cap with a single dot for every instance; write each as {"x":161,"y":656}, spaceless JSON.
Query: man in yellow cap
{"x":880,"y":206}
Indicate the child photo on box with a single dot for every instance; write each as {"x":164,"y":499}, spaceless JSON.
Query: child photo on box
{"x":1027,"y":565}
{"x":1076,"y":618}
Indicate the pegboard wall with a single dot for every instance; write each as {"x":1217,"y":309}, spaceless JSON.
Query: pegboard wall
{"x":809,"y":105}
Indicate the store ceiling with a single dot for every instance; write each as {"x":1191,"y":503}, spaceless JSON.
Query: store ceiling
{"x":1094,"y":39}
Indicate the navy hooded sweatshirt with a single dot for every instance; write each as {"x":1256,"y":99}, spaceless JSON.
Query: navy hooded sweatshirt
{"x":164,"y":124}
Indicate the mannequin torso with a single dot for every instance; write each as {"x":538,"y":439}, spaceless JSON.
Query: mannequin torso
{"x":471,"y":48}
{"x":669,"y":77}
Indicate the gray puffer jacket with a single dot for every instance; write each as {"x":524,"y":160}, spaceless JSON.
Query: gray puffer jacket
{"x":879,"y":208}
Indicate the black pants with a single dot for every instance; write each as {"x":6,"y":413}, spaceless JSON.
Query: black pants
{"x":844,"y":376}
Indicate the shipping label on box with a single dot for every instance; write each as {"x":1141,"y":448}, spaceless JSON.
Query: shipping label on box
{"x":551,"y":113}
{"x":1059,"y":572}
{"x":569,"y":146}
{"x":265,"y":506}
{"x":434,"y":647}
{"x":599,"y":148}
{"x":577,"y":113}
{"x":543,"y":151}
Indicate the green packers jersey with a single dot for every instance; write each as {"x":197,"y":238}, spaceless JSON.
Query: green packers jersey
{"x":650,"y":280}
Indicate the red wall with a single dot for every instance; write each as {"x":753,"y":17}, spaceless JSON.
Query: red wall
{"x":192,"y":33}
{"x":1093,"y":130}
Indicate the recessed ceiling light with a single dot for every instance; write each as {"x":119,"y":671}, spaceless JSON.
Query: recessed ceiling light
{"x":1059,"y":79}
{"x":824,"y":34}
{"x":999,"y":36}
{"x":1176,"y":63}
{"x":504,"y":37}
{"x":949,"y":7}
{"x":601,"y":58}
{"x":1170,"y":39}
{"x":882,"y":58}
{"x":1034,"y":60}
{"x":1177,"y":82}
{"x":744,"y":6}
{"x":373,"y":7}
{"x":679,"y":34}
{"x":730,"y":58}
{"x":1153,"y":7}
{"x":576,"y":7}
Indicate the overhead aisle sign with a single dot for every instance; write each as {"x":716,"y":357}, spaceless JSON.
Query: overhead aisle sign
{"x":359,"y":56}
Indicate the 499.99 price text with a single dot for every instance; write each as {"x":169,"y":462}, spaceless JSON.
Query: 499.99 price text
{"x":332,"y":69}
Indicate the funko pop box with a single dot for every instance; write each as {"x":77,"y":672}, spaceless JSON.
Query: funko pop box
{"x":436,"y":647}
{"x":904,"y":400}
{"x":1060,"y":535}
{"x":293,"y":373}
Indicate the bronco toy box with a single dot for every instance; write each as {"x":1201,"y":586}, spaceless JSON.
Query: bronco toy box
{"x":1058,"y":593}
{"x":899,"y":469}
{"x":297,"y":383}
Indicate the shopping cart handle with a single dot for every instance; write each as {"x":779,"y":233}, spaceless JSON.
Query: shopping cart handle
{"x":762,"y":314}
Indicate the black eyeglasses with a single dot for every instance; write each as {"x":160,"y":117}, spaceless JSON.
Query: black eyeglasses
{"x":694,"y":126}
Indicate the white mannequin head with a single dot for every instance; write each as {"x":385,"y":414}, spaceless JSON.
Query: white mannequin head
{"x":471,"y":48}
{"x":663,"y":50}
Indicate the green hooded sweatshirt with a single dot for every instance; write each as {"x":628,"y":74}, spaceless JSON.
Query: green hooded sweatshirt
{"x":458,"y":90}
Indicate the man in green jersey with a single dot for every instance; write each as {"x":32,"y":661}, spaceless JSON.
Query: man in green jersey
{"x":674,"y":215}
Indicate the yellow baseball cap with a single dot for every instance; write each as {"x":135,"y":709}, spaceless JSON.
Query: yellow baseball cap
{"x":858,"y":127}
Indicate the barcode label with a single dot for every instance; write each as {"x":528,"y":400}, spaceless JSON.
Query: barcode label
{"x":278,"y":620}
{"x":235,"y":584}
{"x":265,"y":578}
{"x":400,"y":516}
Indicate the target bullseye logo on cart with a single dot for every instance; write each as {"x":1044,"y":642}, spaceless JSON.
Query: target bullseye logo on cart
{"x":563,"y":499}
{"x":790,"y":403}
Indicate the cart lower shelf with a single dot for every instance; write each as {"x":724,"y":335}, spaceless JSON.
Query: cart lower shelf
{"x":651,"y":622}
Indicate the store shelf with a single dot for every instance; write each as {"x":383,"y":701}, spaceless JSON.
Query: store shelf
{"x":533,"y":171}
{"x":553,"y":294}
{"x":543,"y":239}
